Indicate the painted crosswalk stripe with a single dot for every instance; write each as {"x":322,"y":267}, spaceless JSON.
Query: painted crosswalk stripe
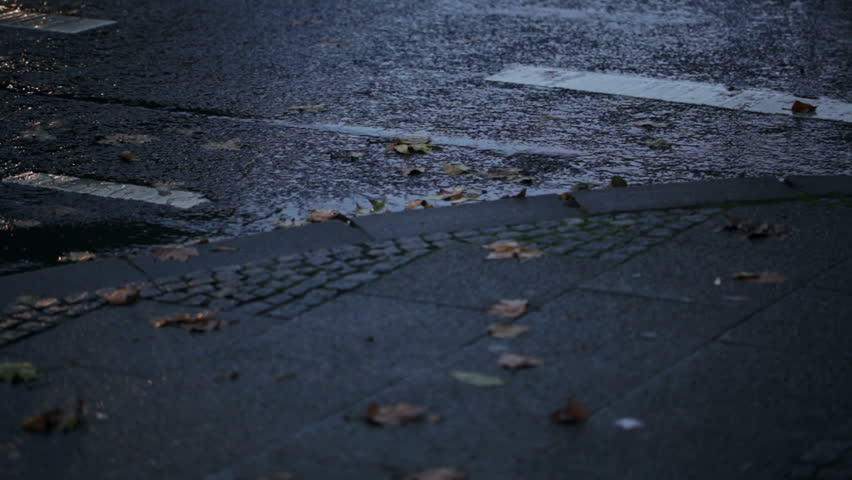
{"x":15,"y":18}
{"x":174,"y":198}
{"x":680,"y":91}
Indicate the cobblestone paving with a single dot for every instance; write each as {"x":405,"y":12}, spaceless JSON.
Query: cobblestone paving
{"x":286,"y":286}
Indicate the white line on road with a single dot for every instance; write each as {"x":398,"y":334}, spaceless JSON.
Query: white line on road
{"x":15,"y":18}
{"x":680,"y":91}
{"x":64,"y":183}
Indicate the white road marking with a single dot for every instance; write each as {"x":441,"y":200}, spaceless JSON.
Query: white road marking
{"x":15,"y":18}
{"x":174,"y":198}
{"x":680,"y":91}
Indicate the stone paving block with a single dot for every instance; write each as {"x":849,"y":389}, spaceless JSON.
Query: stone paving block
{"x":674,"y":195}
{"x":821,"y":185}
{"x":809,"y":320}
{"x":462,"y":276}
{"x":688,"y":273}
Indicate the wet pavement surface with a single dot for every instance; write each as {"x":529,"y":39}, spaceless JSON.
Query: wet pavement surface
{"x":211,"y":86}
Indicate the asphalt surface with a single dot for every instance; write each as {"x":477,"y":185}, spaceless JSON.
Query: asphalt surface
{"x":192,"y":75}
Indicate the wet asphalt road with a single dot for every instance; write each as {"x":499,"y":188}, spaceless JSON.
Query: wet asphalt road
{"x":194,"y":74}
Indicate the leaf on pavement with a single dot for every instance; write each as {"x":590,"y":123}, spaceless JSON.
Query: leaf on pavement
{"x":521,"y":194}
{"x":178,"y":253}
{"x":511,"y":249}
{"x":65,"y":420}
{"x":123,"y":138}
{"x":755,"y":228}
{"x":759,"y":277}
{"x":320,"y":215}
{"x":647,"y":122}
{"x":573,"y":412}
{"x":513,"y":361}
{"x":127,"y":156}
{"x":802,"y":107}
{"x":223,"y":248}
{"x":657,"y":143}
{"x":441,"y":473}
{"x":455,"y":195}
{"x":205,"y":321}
{"x":399,"y":414}
{"x":122,"y":296}
{"x":14,"y":372}
{"x":231,"y":145}
{"x":410,"y":171}
{"x":377,"y":205}
{"x":503,"y":330}
{"x":76,"y":257}
{"x":455,"y":168}
{"x":409,"y":145}
{"x":309,"y":108}
{"x":617,"y":182}
{"x":417,"y":203}
{"x":477,"y":379}
{"x":513,"y":175}
{"x":508,"y":308}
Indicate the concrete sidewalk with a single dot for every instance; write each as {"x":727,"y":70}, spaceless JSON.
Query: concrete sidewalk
{"x":634,"y":312}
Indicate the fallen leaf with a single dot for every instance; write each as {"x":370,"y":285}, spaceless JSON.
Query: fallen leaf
{"x":573,"y":412}
{"x":38,"y":134}
{"x":513,"y":361}
{"x":122,"y":296}
{"x":802,"y":107}
{"x":513,"y":175}
{"x":127,"y":156}
{"x":755,"y":228}
{"x":222,"y":248}
{"x":177,"y":253}
{"x":304,"y":21}
{"x":205,"y":321}
{"x":309,"y":108}
{"x":323,"y":215}
{"x":377,"y":205}
{"x":657,"y":143}
{"x":76,"y":257}
{"x":511,"y":249}
{"x":617,"y":182}
{"x":55,"y":418}
{"x":14,"y":372}
{"x":503,"y":330}
{"x":477,"y":379}
{"x":629,"y":423}
{"x":409,"y":145}
{"x":521,"y":194}
{"x":409,"y":171}
{"x":455,"y":168}
{"x":231,"y":145}
{"x":647,"y":122}
{"x":122,"y":138}
{"x":46,"y":302}
{"x":441,"y":473}
{"x":417,"y":203}
{"x":508,"y":308}
{"x":455,"y":195}
{"x":759,"y":277}
{"x":398,"y":414}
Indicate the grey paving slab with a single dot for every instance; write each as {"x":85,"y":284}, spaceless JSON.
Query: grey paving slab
{"x":462,"y":276}
{"x":689,"y":273}
{"x":257,"y":247}
{"x":820,"y":229}
{"x":809,"y":320}
{"x":821,"y":185}
{"x":674,"y":195}
{"x":464,"y":217}
{"x":67,"y":279}
{"x":838,"y":278}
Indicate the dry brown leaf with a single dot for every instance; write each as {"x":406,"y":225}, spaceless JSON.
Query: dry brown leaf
{"x":442,"y":473}
{"x":417,"y":203}
{"x":55,"y":418}
{"x":760,"y":277}
{"x":399,"y":414}
{"x":509,"y":308}
{"x":179,"y":253}
{"x":802,"y":107}
{"x":323,"y":215}
{"x":521,"y":194}
{"x":205,"y":321}
{"x":409,"y":171}
{"x":503,"y":330}
{"x":122,"y":296}
{"x":511,"y":249}
{"x":573,"y":412}
{"x":222,"y":248}
{"x":77,"y":257}
{"x":127,"y":156}
{"x":45,"y":302}
{"x":455,"y":169}
{"x":755,"y":228}
{"x":513,"y":361}
{"x":455,"y":195}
